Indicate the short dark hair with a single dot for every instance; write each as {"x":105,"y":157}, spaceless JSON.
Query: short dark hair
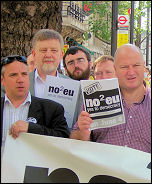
{"x":73,"y":50}
{"x":9,"y":59}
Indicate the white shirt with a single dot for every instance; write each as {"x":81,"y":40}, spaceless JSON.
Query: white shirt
{"x":12,"y":114}
{"x":39,"y":85}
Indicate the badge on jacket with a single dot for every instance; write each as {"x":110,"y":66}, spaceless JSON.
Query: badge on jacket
{"x":31,"y":120}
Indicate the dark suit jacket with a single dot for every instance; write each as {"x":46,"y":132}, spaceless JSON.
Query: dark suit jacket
{"x":49,"y":115}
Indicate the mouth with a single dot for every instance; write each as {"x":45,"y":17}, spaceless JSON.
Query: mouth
{"x":131,"y":78}
{"x":20,"y":87}
{"x":49,"y":61}
{"x":77,"y":71}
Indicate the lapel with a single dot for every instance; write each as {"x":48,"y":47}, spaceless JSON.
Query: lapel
{"x":2,"y":91}
{"x":35,"y":109}
{"x":31,"y":76}
{"x":2,"y":106}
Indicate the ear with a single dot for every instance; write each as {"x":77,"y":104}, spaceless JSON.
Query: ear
{"x":90,"y":64}
{"x":2,"y":80}
{"x":115,"y":68}
{"x":62,"y":53}
{"x":65,"y":69}
{"x":33,"y":53}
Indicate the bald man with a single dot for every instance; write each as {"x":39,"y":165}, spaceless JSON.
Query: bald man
{"x":136,"y":98}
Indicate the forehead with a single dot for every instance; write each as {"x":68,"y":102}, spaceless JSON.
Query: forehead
{"x":105,"y":64}
{"x":51,"y":43}
{"x":128,"y":53}
{"x":16,"y":67}
{"x":77,"y":55}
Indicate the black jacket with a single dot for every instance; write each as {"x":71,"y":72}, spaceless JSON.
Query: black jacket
{"x":49,"y":116}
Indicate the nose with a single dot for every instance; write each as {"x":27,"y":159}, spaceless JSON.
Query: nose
{"x":130,"y":70}
{"x":104,"y":76}
{"x":20,"y":78}
{"x":48,"y":53}
{"x":76,"y":63}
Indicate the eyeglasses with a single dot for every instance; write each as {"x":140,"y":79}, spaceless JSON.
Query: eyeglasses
{"x":10,"y":59}
{"x":79,"y":61}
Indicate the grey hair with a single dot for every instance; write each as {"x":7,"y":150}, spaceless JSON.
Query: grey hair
{"x":3,"y":70}
{"x":46,"y":34}
{"x":131,"y":46}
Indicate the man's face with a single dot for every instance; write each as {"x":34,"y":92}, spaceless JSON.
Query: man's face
{"x":104,"y":70}
{"x":31,"y":63}
{"x":77,"y":66}
{"x":16,"y":80}
{"x":129,"y":67}
{"x":47,"y":55}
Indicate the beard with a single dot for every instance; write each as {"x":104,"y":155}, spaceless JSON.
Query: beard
{"x":47,"y":68}
{"x":83,"y":76}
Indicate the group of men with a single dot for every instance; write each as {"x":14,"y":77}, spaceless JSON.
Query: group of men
{"x":25,"y":110}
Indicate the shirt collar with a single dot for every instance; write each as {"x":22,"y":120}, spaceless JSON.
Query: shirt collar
{"x":146,"y":93}
{"x":27,"y":100}
{"x":37,"y":76}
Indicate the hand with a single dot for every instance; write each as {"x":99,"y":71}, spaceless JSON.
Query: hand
{"x":84,"y":122}
{"x":17,"y":127}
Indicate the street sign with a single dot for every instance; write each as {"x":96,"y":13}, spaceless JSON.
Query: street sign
{"x":122,"y":37}
{"x":129,"y":11}
{"x":123,"y":20}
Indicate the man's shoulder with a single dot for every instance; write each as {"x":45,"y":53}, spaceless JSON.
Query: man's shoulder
{"x":148,"y":92}
{"x":44,"y":101}
{"x":2,"y":91}
{"x":31,"y":74}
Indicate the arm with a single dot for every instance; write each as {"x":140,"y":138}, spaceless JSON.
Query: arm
{"x":17,"y":127}
{"x":50,"y":119}
{"x":83,"y":132}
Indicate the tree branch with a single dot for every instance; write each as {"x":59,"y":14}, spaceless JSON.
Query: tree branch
{"x":145,"y":37}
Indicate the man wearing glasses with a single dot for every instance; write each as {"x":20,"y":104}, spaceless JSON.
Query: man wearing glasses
{"x":22,"y":112}
{"x":77,"y":63}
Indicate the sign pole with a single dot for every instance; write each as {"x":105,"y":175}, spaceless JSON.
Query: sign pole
{"x":114,"y":27}
{"x":132,"y":22}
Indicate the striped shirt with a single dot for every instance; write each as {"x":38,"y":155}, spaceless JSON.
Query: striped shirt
{"x":40,"y":85}
{"x":12,"y":114}
{"x":135,"y":132}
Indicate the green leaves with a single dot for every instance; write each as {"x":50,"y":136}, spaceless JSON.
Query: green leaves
{"x":101,"y":17}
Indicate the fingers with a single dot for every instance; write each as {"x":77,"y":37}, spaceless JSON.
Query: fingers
{"x":14,"y":131}
{"x":17,"y":127}
{"x":84,"y":120}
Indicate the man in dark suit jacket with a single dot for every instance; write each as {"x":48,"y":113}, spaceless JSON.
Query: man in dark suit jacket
{"x":45,"y":117}
{"x":40,"y":116}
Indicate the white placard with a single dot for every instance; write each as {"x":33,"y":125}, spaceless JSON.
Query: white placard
{"x":65,"y":92}
{"x":36,"y":158}
{"x":102,"y":100}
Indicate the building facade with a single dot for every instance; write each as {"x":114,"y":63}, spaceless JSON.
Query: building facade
{"x":75,"y":24}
